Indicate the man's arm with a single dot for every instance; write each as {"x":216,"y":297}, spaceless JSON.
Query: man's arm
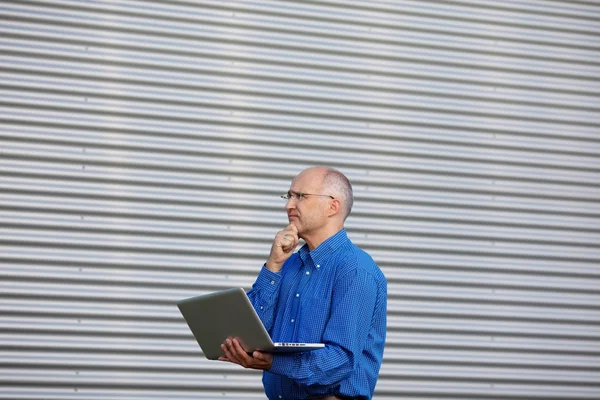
{"x":264,"y":295}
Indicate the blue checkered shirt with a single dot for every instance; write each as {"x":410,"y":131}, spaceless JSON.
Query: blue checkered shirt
{"x":336,"y":295}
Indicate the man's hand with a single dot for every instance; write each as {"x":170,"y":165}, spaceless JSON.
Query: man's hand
{"x":283,"y":247}
{"x":235,"y":353}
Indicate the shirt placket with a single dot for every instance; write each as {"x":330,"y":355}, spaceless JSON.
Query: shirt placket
{"x":307,"y":272}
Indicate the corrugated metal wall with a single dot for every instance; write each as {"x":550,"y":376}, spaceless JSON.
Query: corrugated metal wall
{"x":143,"y":146}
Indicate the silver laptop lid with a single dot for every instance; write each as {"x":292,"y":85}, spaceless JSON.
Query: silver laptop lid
{"x":214,"y":317}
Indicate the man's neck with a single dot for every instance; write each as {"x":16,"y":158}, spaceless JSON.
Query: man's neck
{"x":314,"y":240}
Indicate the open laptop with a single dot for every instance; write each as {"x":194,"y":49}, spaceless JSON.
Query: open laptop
{"x":214,"y":317}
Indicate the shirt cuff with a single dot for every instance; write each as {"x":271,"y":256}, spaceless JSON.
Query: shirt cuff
{"x":267,"y":280}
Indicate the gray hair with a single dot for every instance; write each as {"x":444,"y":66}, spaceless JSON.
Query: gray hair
{"x":340,"y":187}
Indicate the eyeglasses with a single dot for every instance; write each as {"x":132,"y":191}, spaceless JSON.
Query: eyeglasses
{"x":299,"y":195}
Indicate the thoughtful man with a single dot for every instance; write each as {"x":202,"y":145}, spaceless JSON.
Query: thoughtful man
{"x":330,"y":291}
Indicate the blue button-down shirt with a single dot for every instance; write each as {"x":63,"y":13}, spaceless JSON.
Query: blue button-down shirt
{"x":336,"y":295}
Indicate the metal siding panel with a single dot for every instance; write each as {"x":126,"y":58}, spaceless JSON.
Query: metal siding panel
{"x":143,"y":146}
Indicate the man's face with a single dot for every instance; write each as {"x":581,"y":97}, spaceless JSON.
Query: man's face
{"x":308,"y":213}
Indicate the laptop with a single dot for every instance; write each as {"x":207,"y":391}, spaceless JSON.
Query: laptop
{"x":214,"y":317}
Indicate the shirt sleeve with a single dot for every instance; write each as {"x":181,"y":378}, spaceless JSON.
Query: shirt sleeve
{"x":264,"y":295}
{"x":354,"y":300}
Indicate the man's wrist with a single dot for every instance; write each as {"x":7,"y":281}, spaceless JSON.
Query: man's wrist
{"x":273,"y":267}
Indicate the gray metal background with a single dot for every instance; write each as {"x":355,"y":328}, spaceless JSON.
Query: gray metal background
{"x":143,"y":146}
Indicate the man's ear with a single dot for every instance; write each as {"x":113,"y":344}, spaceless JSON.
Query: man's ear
{"x":335,"y":207}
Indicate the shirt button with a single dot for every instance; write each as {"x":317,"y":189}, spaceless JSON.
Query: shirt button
{"x":292,"y":320}
{"x":318,"y":266}
{"x":272,"y":282}
{"x":280,"y":396}
{"x":261,"y":307}
{"x":297,"y":294}
{"x":307,"y":272}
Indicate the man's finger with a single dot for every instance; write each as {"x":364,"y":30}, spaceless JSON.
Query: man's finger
{"x":288,"y":244}
{"x":226,"y":351}
{"x":245,"y":360}
{"x":239,"y":349}
{"x":230,"y":351}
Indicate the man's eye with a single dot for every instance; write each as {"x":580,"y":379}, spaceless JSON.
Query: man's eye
{"x":300,"y":196}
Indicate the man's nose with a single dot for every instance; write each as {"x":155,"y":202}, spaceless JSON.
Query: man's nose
{"x":290,"y":204}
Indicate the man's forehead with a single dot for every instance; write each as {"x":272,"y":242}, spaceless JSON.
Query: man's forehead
{"x":307,"y":180}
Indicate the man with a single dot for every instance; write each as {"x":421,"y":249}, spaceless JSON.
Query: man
{"x":330,"y":291}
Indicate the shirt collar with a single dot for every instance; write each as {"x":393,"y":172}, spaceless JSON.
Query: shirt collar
{"x":325,"y":249}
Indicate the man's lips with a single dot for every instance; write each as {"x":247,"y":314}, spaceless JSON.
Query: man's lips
{"x":292,"y":216}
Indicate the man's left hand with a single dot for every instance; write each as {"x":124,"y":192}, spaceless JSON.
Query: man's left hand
{"x":235,"y":353}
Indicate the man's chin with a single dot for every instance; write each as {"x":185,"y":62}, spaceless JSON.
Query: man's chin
{"x":296,"y":222}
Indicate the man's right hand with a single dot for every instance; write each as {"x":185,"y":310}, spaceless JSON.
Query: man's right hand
{"x":283,"y":247}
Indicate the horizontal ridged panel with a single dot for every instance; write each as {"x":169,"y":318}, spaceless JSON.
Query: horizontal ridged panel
{"x":143,"y":146}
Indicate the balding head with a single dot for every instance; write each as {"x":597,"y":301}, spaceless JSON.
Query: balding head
{"x":334,"y":183}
